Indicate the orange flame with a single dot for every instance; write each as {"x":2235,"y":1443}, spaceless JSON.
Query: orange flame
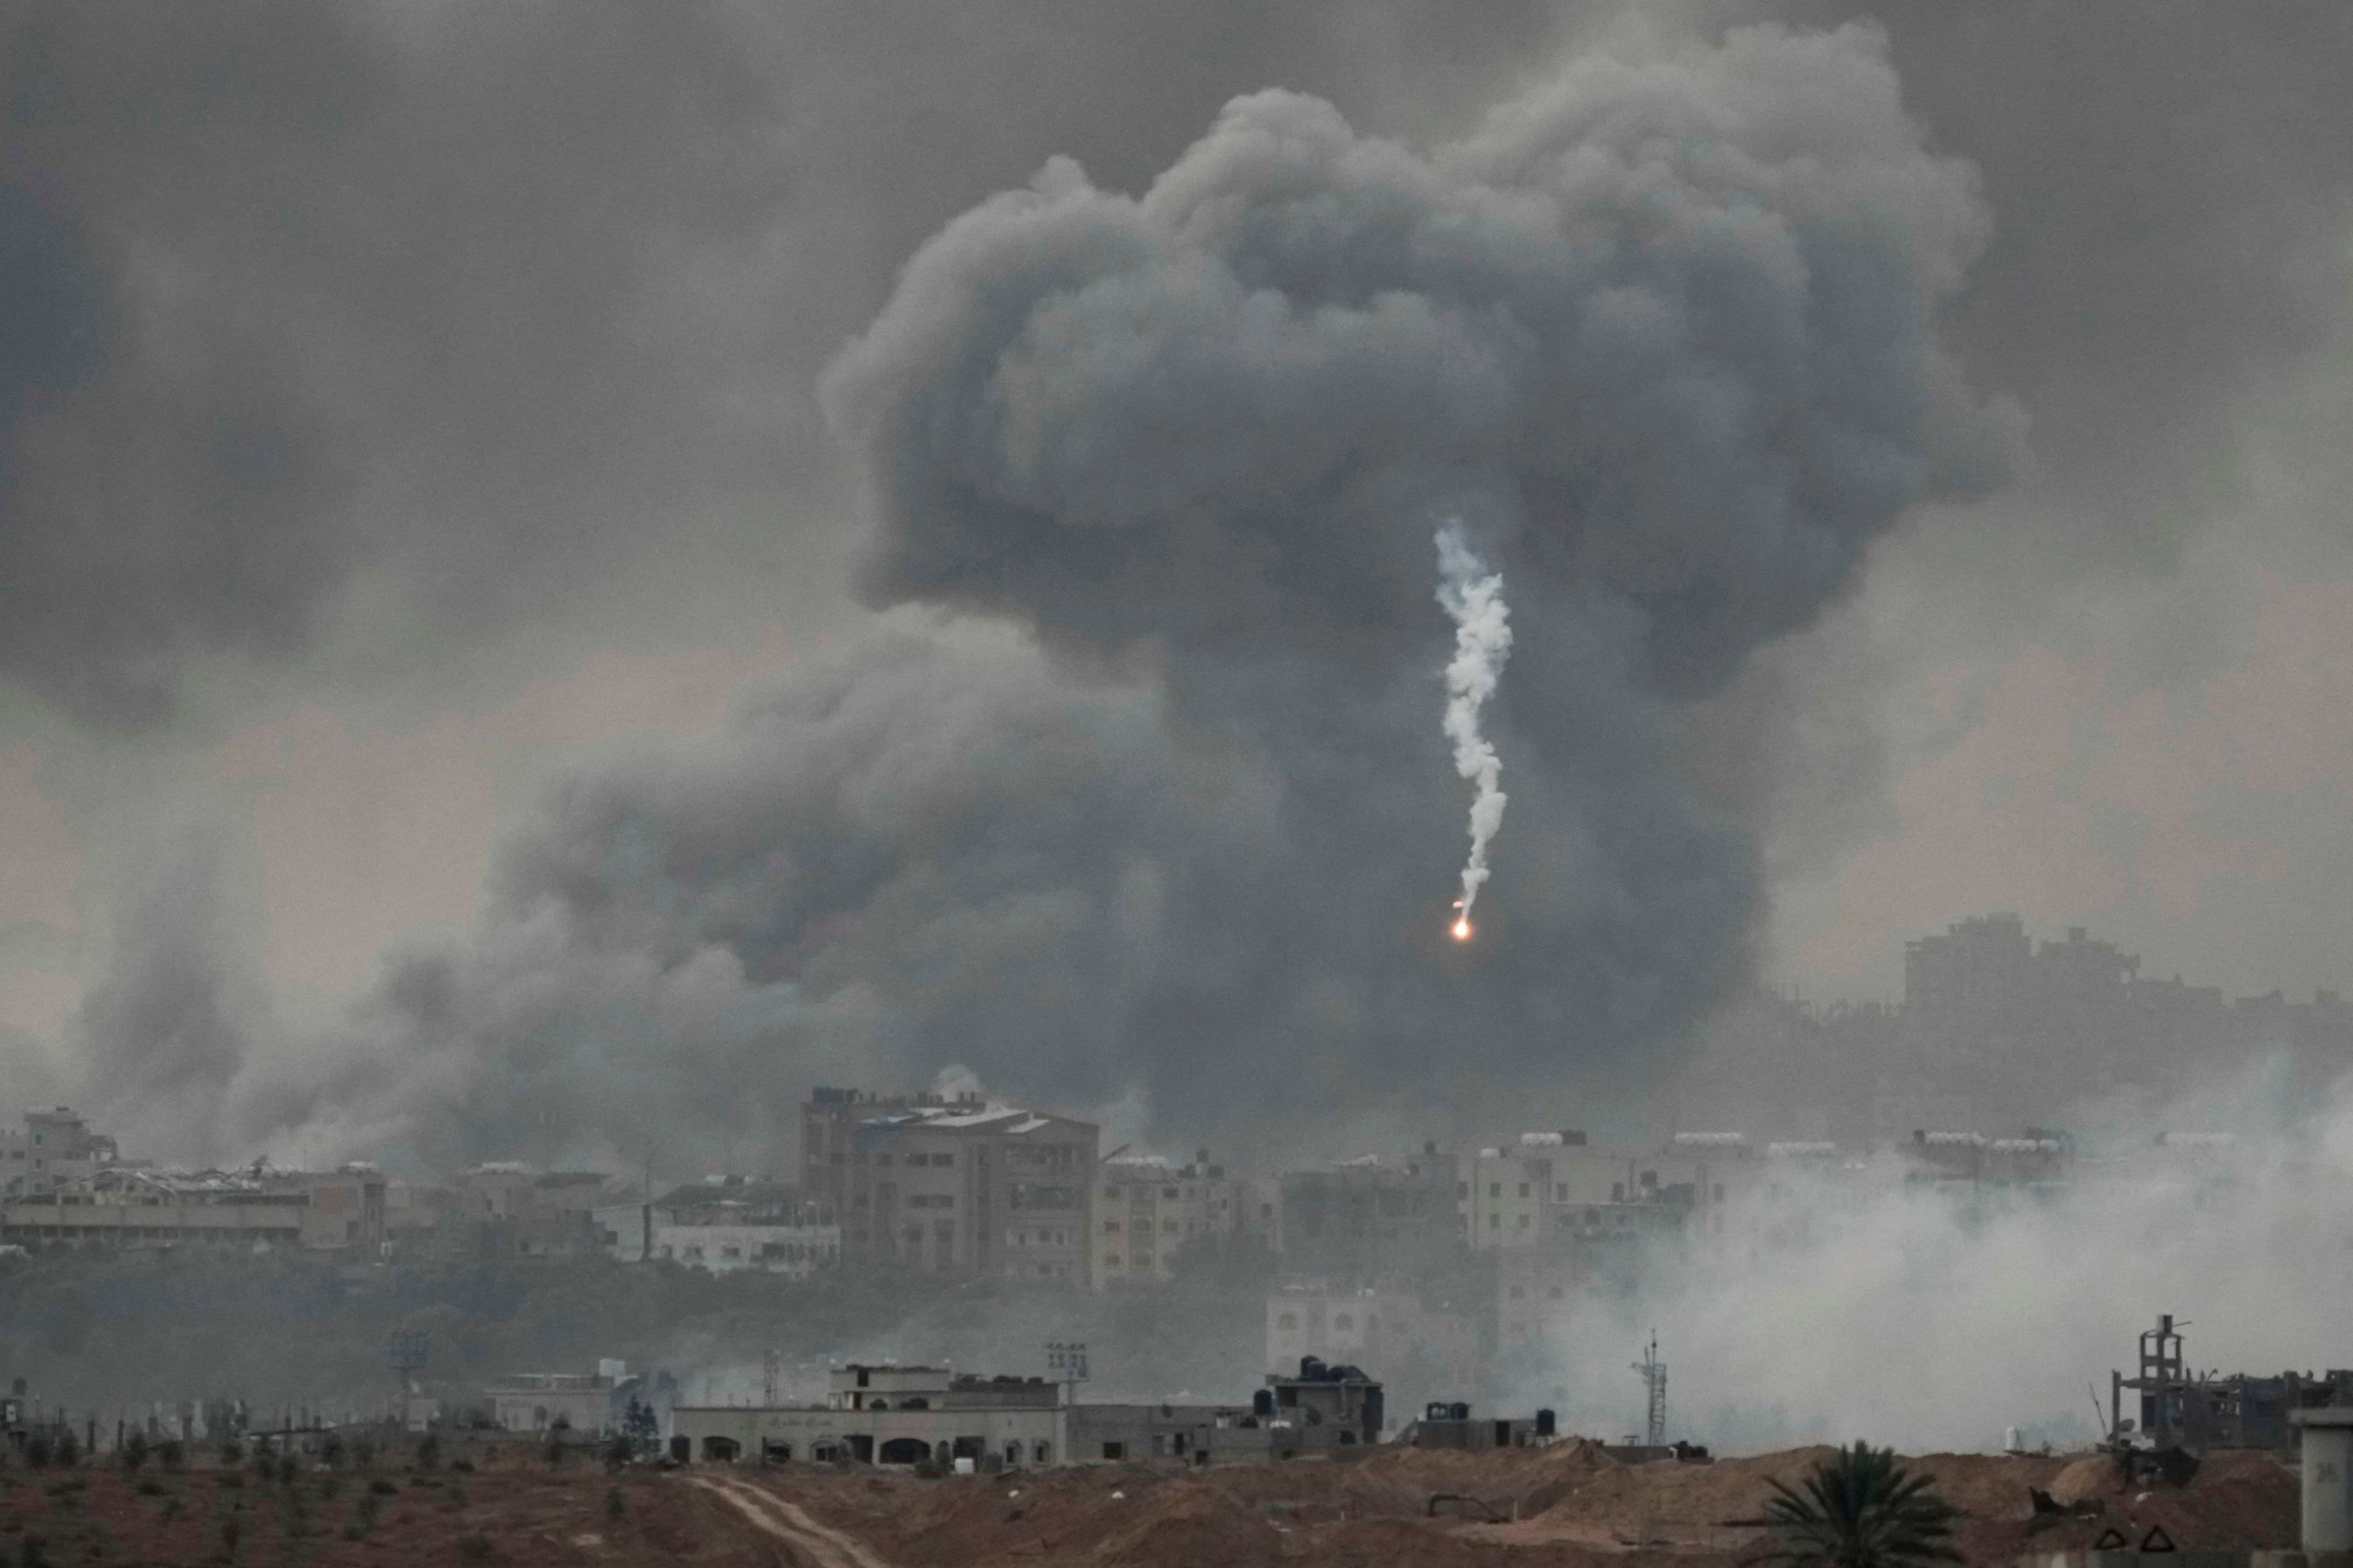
{"x":1462,"y":931}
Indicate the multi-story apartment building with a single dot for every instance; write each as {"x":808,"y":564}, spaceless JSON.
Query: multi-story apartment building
{"x":954,"y":1185}
{"x":55,"y":1148}
{"x":1368,"y":1220}
{"x":1552,"y":1185}
{"x":1146,"y":1208}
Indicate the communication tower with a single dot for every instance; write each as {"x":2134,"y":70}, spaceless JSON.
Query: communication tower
{"x":1653,"y":1372}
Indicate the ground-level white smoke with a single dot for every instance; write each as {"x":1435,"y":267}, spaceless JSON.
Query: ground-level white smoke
{"x":1857,"y":1305}
{"x":1473,"y":596}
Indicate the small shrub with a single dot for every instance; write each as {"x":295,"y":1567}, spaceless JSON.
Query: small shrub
{"x":65,"y":1451}
{"x":474,"y":1550}
{"x":150,"y":1488}
{"x":363,"y":1518}
{"x":616,"y":1505}
{"x":230,"y":1530}
{"x":232,"y":1452}
{"x":174,"y":1454}
{"x":173,"y":1507}
{"x":38,"y":1452}
{"x":329,"y":1487}
{"x":135,"y":1451}
{"x":31,"y":1553}
{"x":428,"y":1450}
{"x":231,"y":1480}
{"x":382,"y":1488}
{"x":286,"y":1470}
{"x":463,"y":1467}
{"x":363,"y":1452}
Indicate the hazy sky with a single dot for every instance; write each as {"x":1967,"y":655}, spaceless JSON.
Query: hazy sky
{"x":448,"y":638}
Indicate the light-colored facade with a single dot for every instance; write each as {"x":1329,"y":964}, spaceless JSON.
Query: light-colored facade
{"x":1389,"y":1333}
{"x":590,"y":1405}
{"x":1553,"y":1185}
{"x":723,"y":1224}
{"x":912,"y":1415}
{"x":795,"y":1251}
{"x":888,"y":1415}
{"x":1147,"y":1208}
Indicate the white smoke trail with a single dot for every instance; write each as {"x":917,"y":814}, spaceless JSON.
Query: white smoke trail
{"x":1473,"y":596}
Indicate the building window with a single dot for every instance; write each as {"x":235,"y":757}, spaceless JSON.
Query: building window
{"x":1523,"y":1188}
{"x":1111,"y":1227}
{"x":1288,"y":1320}
{"x":1111,"y":1260}
{"x":1495,"y":1189}
{"x":1523,"y":1222}
{"x":1494,"y":1221}
{"x":1343,"y":1322}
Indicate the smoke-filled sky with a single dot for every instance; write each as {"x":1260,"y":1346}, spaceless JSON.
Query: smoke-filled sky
{"x":569,"y":571}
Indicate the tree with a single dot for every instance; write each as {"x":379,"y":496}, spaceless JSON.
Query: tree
{"x":642,"y":1428}
{"x":1859,"y":1510}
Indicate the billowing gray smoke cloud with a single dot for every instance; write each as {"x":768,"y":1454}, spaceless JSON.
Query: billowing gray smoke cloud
{"x":1660,"y":333}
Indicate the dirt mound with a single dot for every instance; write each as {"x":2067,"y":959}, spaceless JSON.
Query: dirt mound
{"x":1989,"y":1486}
{"x":1192,"y":1526}
{"x":2093,"y":1476}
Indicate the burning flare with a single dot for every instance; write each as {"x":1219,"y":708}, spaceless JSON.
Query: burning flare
{"x":1473,"y":596}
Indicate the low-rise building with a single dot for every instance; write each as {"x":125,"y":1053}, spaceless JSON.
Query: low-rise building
{"x":914,"y":1415}
{"x":1390,"y":1332}
{"x":726,"y":1223}
{"x":137,"y":1206}
{"x":590,"y":1405}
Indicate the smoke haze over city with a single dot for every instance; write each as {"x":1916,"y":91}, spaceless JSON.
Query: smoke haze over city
{"x":571,"y":574}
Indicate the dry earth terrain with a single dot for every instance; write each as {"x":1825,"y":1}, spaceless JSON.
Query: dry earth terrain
{"x":1569,"y":1504}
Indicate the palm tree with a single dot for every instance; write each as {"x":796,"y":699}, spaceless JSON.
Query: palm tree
{"x":1860,"y":1509}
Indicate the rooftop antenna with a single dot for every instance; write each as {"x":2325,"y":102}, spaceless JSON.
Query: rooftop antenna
{"x":1653,"y":1373}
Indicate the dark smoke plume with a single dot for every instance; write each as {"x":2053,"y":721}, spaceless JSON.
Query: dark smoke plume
{"x":1661,"y":335}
